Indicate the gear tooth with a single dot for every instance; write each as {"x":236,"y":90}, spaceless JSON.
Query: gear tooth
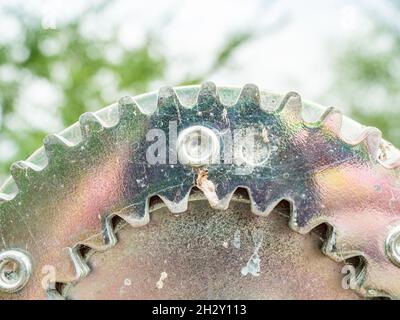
{"x":368,"y":285}
{"x":292,"y":106}
{"x":250,"y":94}
{"x":370,"y":293}
{"x":371,"y":138}
{"x":332,"y":119}
{"x":208,"y":105}
{"x":178,"y":206}
{"x":53,"y":294}
{"x":336,"y":248}
{"x":18,"y":170}
{"x":169,"y":106}
{"x":329,"y":247}
{"x":96,"y":242}
{"x":301,"y":223}
{"x":67,"y":266}
{"x":248,"y":102}
{"x":167,"y":97}
{"x":262,"y":204}
{"x":218,"y":193}
{"x":304,"y":216}
{"x":176,"y":199}
{"x":223,"y":202}
{"x":55,"y":145}
{"x":394,"y":164}
{"x":109,"y":235}
{"x":136,"y":215}
{"x":207,"y":89}
{"x":22,"y":171}
{"x":338,"y":255}
{"x":81,"y":267}
{"x":207,"y":95}
{"x":107,"y":239}
{"x":90,"y":124}
{"x":127,"y":108}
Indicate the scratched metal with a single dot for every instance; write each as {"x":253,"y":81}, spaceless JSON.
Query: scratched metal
{"x":210,"y":254}
{"x":65,"y":194}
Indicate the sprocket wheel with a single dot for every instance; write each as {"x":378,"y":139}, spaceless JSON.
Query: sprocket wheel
{"x":65,"y":203}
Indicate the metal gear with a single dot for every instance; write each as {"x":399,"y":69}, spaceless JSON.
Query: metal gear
{"x":63,"y":202}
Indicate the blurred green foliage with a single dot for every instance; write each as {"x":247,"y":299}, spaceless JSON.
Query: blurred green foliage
{"x":75,"y":68}
{"x":368,"y":75}
{"x":81,"y":60}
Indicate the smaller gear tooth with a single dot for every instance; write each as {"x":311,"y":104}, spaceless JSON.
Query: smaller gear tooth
{"x":55,"y":145}
{"x":169,"y":107}
{"x":109,"y":235}
{"x":373,"y":293}
{"x":332,"y":119}
{"x":208,"y":100}
{"x":22,"y":172}
{"x":223,"y":202}
{"x":335,"y":248}
{"x":305,"y":215}
{"x":307,"y":224}
{"x":329,"y":244}
{"x":53,"y":294}
{"x":127,"y":109}
{"x":208,"y":91}
{"x":262,"y":204}
{"x":248,"y":102}
{"x":81,"y":267}
{"x":176,"y":207}
{"x":136,"y":215}
{"x":249,"y":98}
{"x":372,"y":285}
{"x":392,"y":164}
{"x":371,"y":138}
{"x":167,"y":97}
{"x":176,"y":199}
{"x":107,"y":239}
{"x":291,"y":106}
{"x":90,"y":124}
{"x":208,"y":107}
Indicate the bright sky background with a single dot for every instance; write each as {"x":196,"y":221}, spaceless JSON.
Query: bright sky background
{"x":296,"y":44}
{"x":293,"y":52}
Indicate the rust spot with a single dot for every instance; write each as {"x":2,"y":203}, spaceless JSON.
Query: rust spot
{"x":264,"y":135}
{"x":207,"y":187}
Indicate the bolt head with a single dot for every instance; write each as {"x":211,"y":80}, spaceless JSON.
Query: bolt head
{"x":15,"y":270}
{"x":393,"y":245}
{"x":198,"y":146}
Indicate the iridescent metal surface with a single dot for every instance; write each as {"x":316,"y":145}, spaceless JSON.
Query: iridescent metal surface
{"x":65,"y":196}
